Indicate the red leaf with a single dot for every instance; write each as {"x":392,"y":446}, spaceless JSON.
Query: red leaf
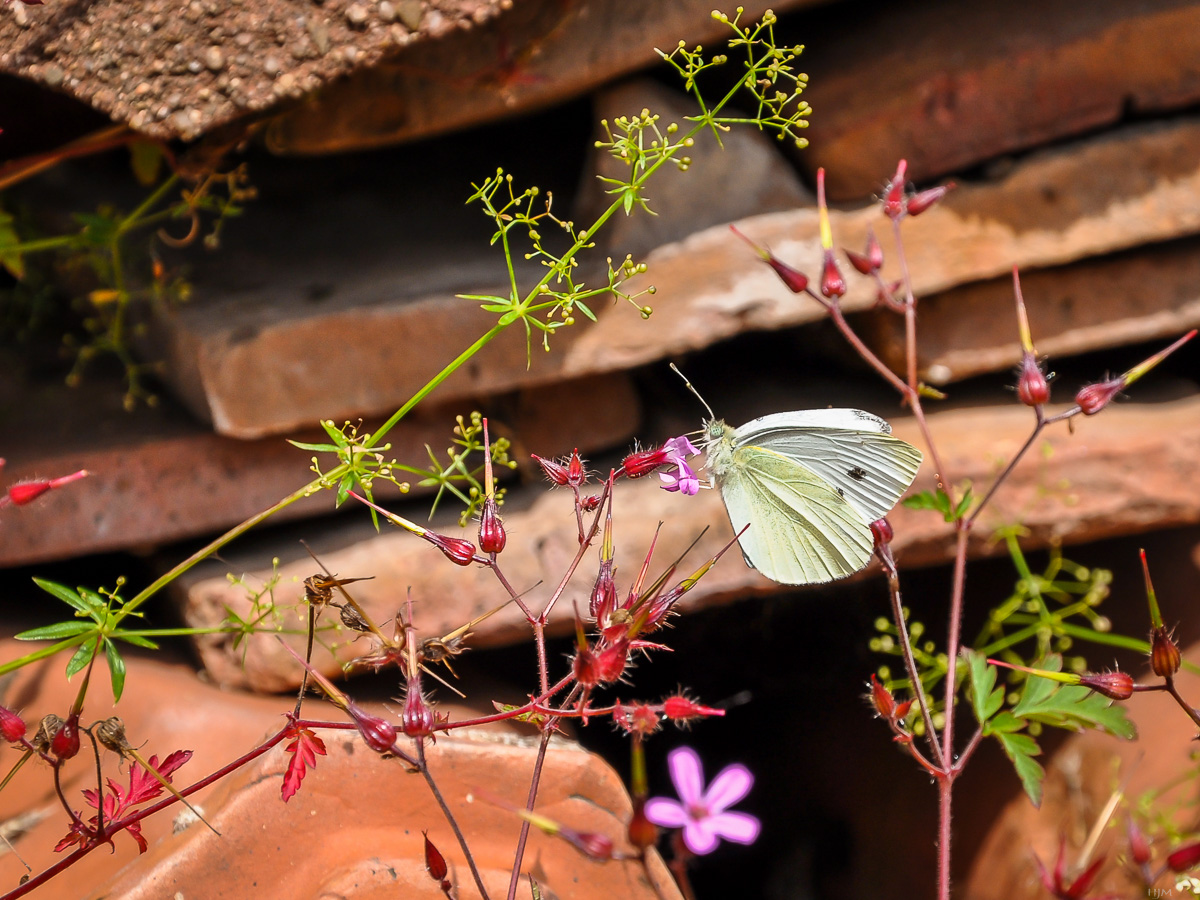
{"x":304,"y":749}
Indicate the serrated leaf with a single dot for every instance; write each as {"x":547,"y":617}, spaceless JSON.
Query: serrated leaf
{"x":65,"y":594}
{"x":1074,"y":707}
{"x":82,"y":656}
{"x":986,"y":698}
{"x":938,"y":502}
{"x":1021,"y":750}
{"x":56,"y":632}
{"x":116,"y":668}
{"x":11,"y":259}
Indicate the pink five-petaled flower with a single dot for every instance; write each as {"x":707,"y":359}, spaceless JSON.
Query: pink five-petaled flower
{"x":119,"y":802}
{"x":683,"y":479}
{"x":304,"y":747}
{"x":701,"y":813}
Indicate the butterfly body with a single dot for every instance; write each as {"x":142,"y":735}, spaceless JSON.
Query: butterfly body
{"x":808,"y":484}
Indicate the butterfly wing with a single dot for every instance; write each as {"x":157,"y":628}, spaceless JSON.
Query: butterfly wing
{"x":851,"y":450}
{"x":801,"y":530}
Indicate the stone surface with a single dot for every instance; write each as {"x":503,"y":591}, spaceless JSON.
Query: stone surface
{"x":157,"y":477}
{"x":1128,"y":469}
{"x":250,"y":359}
{"x":1081,"y":777}
{"x":1150,"y":292}
{"x":745,"y":176}
{"x":334,"y":836}
{"x":948,"y":85}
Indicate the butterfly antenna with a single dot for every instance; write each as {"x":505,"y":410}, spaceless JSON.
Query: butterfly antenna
{"x":691,"y":388}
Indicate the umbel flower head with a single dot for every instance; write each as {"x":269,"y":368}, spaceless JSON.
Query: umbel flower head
{"x":702,"y":812}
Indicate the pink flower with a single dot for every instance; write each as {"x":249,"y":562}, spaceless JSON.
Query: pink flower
{"x":702,"y":813}
{"x":683,"y":479}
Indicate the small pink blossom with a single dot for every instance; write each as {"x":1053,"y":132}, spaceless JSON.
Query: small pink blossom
{"x":701,"y":813}
{"x":683,"y":479}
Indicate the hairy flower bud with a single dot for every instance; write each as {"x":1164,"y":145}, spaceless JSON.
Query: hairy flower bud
{"x":1032,"y":387}
{"x":1164,"y":654}
{"x":12,"y":726}
{"x":643,"y":462}
{"x":492,"y":536}
{"x":923,"y":200}
{"x":1113,"y":685}
{"x":589,"y":503}
{"x":893,"y":194}
{"x":882,"y":699}
{"x":417,"y":718}
{"x":378,"y":734}
{"x":585,"y":668}
{"x":611,"y":661}
{"x":576,"y":473}
{"x":683,"y":709}
{"x":21,"y":494}
{"x":1094,"y":397}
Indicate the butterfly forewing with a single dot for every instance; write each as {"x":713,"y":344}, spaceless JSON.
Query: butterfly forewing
{"x":851,"y":450}
{"x":802,"y":531}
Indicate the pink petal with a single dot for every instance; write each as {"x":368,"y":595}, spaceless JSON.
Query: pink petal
{"x":687,"y":774}
{"x":667,"y":813}
{"x":731,"y":785}
{"x":741,"y":828}
{"x":700,"y":837}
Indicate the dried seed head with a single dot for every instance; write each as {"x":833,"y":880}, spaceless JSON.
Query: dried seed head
{"x":1165,"y":659}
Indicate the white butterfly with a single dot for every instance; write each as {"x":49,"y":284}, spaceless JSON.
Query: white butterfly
{"x":809,"y":484}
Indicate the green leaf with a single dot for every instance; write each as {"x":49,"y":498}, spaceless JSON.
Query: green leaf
{"x":66,"y":595}
{"x":116,"y":668}
{"x":56,"y":632}
{"x":132,"y":637}
{"x":9,"y":258}
{"x":82,"y":656}
{"x":938,"y":502}
{"x":964,"y":504}
{"x":316,"y":448}
{"x":1074,"y":707}
{"x":1021,"y":750}
{"x":579,"y":305}
{"x":335,"y":434}
{"x":98,"y":229}
{"x":628,"y":201}
{"x":986,"y":698}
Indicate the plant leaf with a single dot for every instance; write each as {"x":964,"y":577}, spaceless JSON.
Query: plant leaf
{"x":82,"y":656}
{"x":986,"y":698}
{"x":65,"y":594}
{"x":319,"y":448}
{"x":56,"y":632}
{"x":10,"y":259}
{"x":132,"y":637}
{"x":1074,"y":707}
{"x":1021,"y":750}
{"x":116,"y":668}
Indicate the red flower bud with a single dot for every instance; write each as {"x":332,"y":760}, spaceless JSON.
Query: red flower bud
{"x":590,"y":503}
{"x":636,"y":718}
{"x":597,"y":846}
{"x":1164,"y":654}
{"x":1094,"y":397}
{"x":65,"y":742}
{"x":21,"y":494}
{"x":378,"y":734}
{"x":458,"y":551}
{"x":1184,"y":858}
{"x":643,"y":462}
{"x":642,"y":832}
{"x":920,"y":202}
{"x":833,"y":285}
{"x":556,"y":472}
{"x":893,"y":194}
{"x":793,"y":279}
{"x":435,"y":863}
{"x":416,"y":719}
{"x":585,"y":668}
{"x":881,"y":531}
{"x":576,"y":474}
{"x":860,"y":262}
{"x":1032,"y":387}
{"x":683,"y":709}
{"x":882,"y":699}
{"x":12,"y":726}
{"x":1139,"y":847}
{"x":1113,"y":685}
{"x":611,"y":661}
{"x":874,"y":250}
{"x":604,"y":594}
{"x":492,"y":536}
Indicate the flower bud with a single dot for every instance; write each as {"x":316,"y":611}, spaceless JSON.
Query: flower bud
{"x":882,"y":699}
{"x":636,"y":718}
{"x":1164,"y":654}
{"x":860,"y":262}
{"x":893,"y":194}
{"x":833,"y":285}
{"x":378,"y":734}
{"x":921,"y":201}
{"x":1032,"y":387}
{"x":642,"y":833}
{"x":1113,"y":685}
{"x":611,"y":661}
{"x":435,"y":863}
{"x":874,"y":250}
{"x":793,"y":279}
{"x":1184,"y":858}
{"x":458,"y":551}
{"x":881,"y":531}
{"x":683,"y":709}
{"x":65,"y":742}
{"x":416,"y":719}
{"x":576,"y":473}
{"x":604,"y":594}
{"x":12,"y":726}
{"x":492,"y":536}
{"x":585,"y":667}
{"x":1094,"y":397}
{"x":592,"y":844}
{"x":556,"y":472}
{"x":21,"y":494}
{"x":589,"y":503}
{"x":643,"y":462}
{"x":1139,"y":847}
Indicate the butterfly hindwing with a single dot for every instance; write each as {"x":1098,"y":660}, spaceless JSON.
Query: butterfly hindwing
{"x":802,"y":531}
{"x":850,"y":450}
